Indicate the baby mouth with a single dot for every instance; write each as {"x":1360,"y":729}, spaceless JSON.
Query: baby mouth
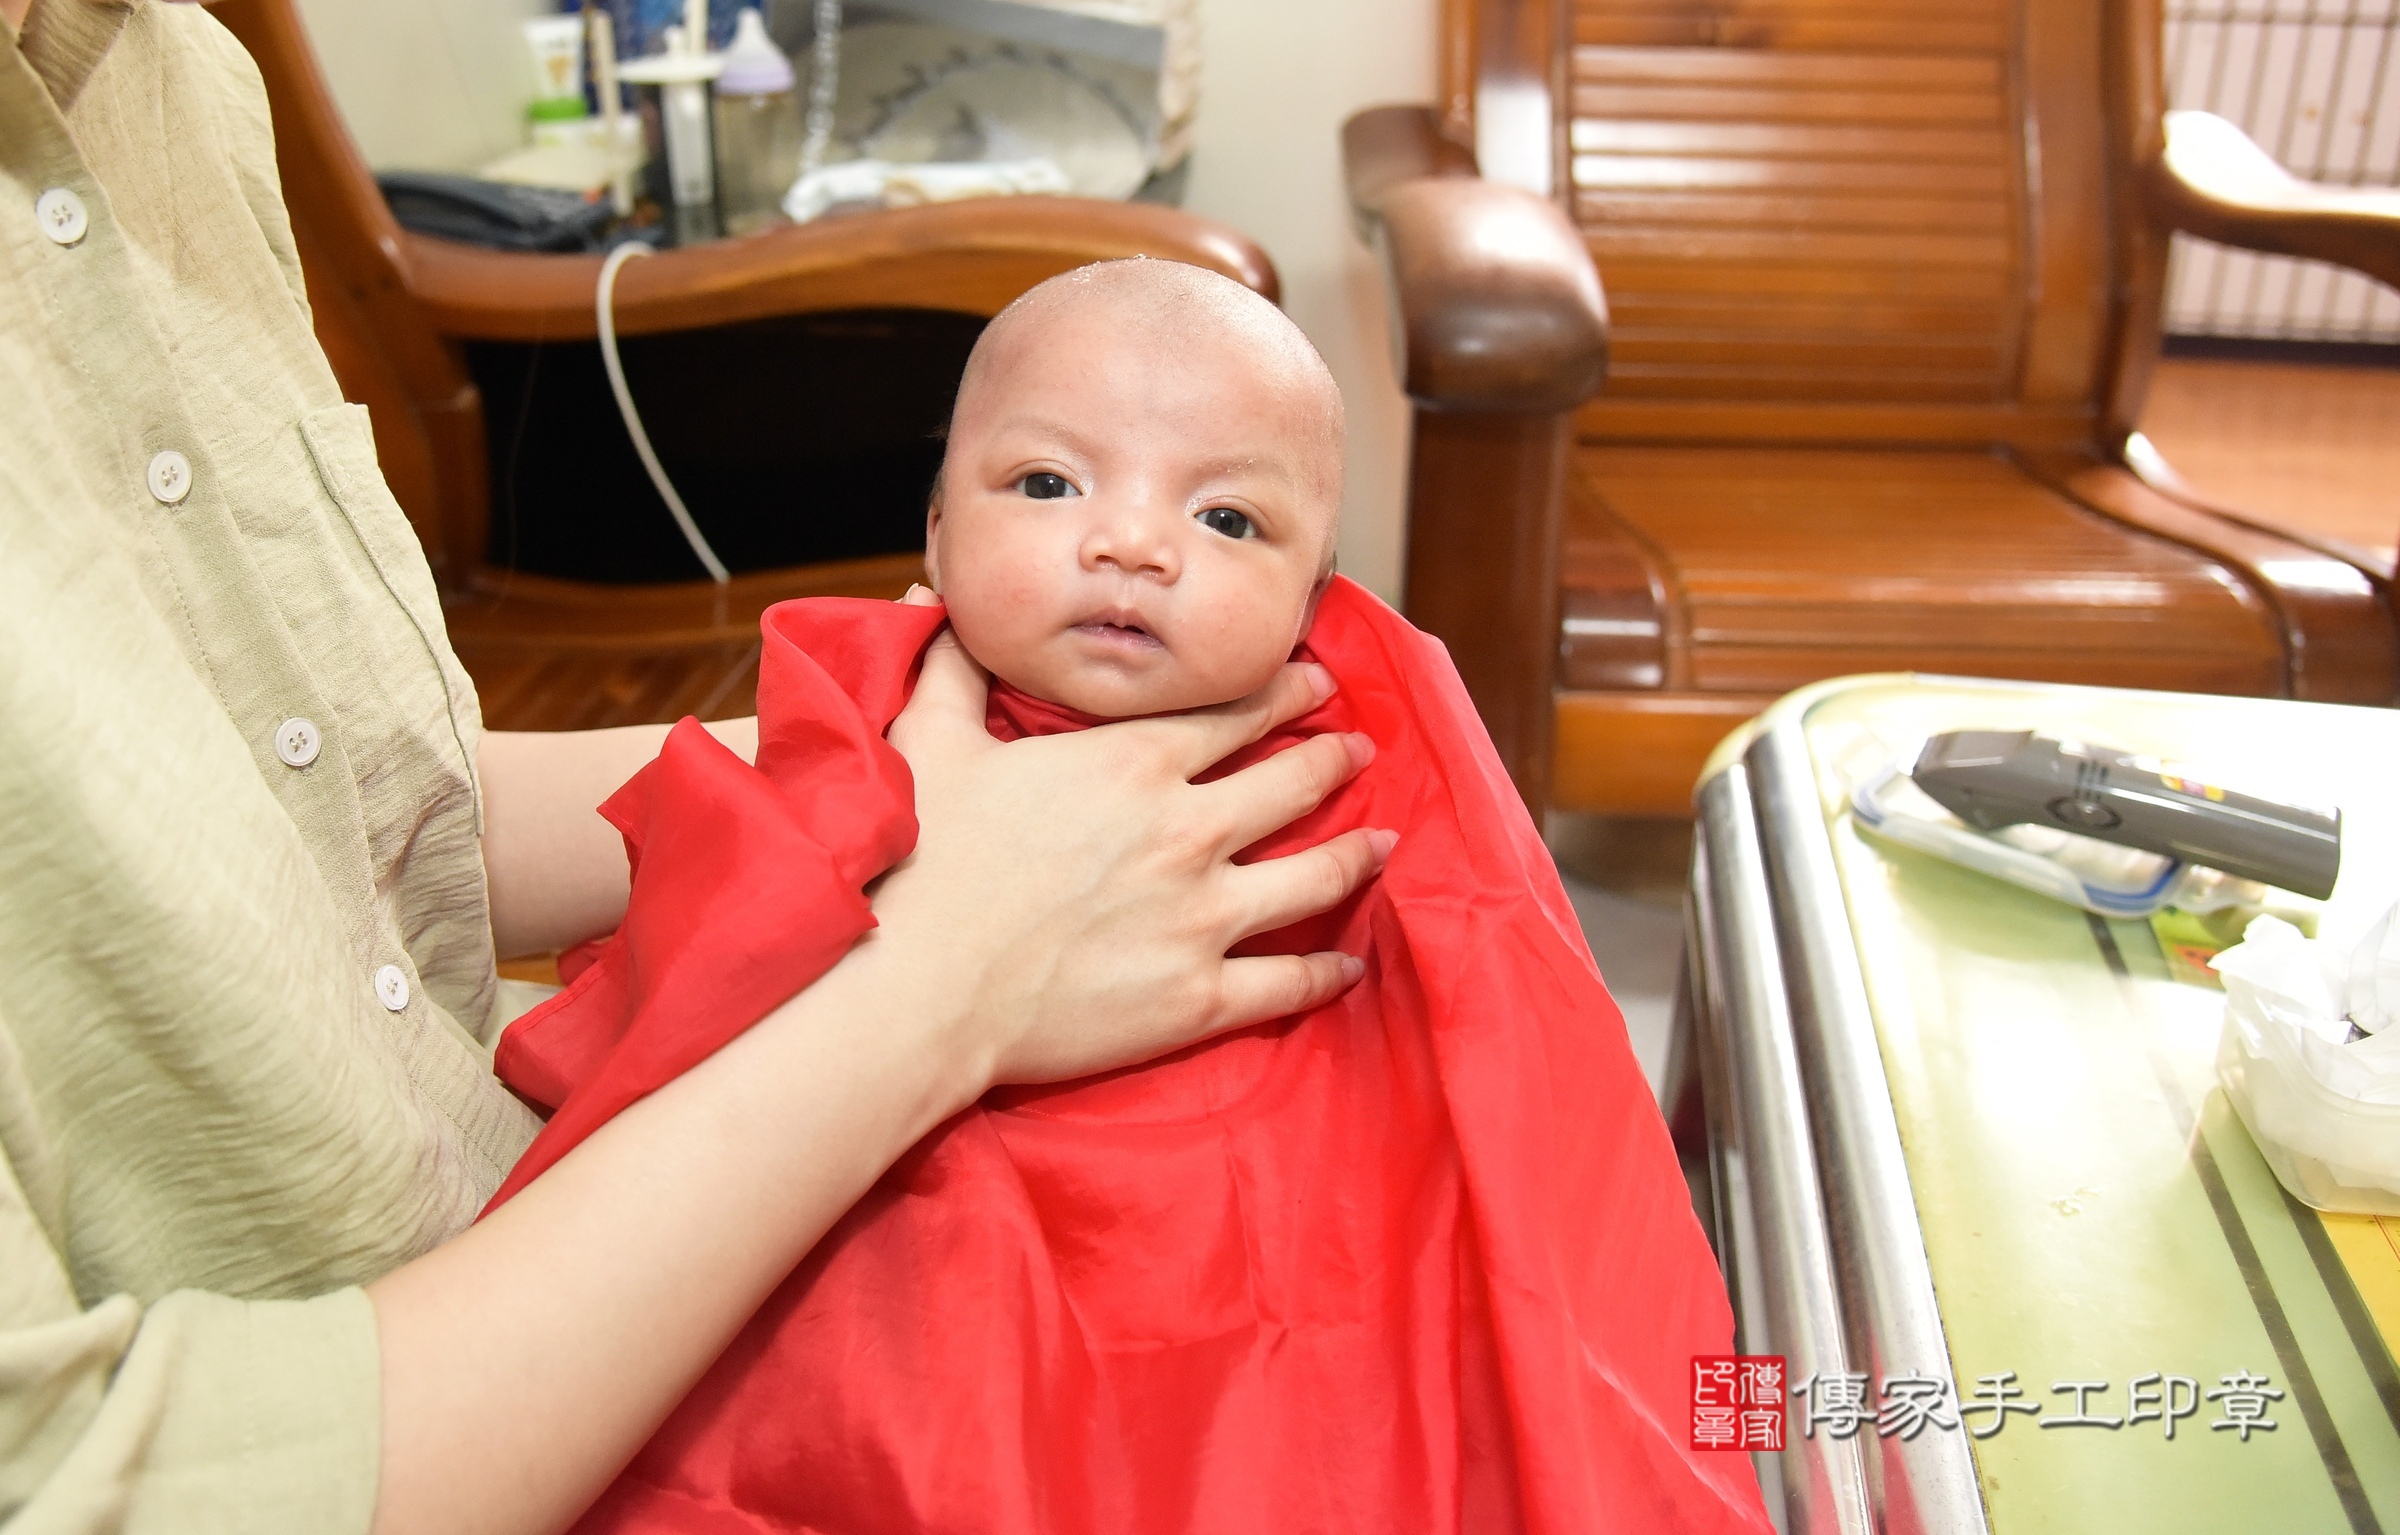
{"x":1119,"y":631}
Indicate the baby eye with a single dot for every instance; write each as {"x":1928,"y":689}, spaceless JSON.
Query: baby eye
{"x":1045,"y":486}
{"x":1225,"y":520}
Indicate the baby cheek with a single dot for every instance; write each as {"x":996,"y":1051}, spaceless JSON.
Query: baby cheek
{"x":1249,"y":641}
{"x":1001,"y":606}
{"x":1026,"y":596}
{"x":1011,"y":558}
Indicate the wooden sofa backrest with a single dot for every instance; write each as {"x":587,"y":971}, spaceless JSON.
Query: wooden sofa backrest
{"x":1835,"y":220}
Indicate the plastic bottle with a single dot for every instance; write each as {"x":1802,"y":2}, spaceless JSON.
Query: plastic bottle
{"x":758,"y":128}
{"x":556,"y":43}
{"x":682,"y":74}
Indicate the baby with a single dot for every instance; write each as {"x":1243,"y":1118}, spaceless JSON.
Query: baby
{"x":1420,"y":1258}
{"x":1136,"y":512}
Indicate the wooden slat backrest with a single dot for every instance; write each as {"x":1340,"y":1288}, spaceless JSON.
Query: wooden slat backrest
{"x":1840,"y":220}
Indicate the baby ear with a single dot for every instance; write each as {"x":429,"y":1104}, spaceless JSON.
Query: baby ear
{"x":1316,"y":594}
{"x":933,"y":529}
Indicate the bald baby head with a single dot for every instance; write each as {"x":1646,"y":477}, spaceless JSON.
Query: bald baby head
{"x":1163,"y":308}
{"x":1138,"y":502}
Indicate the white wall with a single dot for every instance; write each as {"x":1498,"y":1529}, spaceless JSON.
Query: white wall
{"x":1278,"y":78}
{"x":427,"y":85}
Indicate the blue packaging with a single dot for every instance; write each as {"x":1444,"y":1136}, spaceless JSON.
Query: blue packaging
{"x":639,"y":23}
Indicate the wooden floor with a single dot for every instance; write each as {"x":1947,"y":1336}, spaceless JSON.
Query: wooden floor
{"x":2314,"y":449}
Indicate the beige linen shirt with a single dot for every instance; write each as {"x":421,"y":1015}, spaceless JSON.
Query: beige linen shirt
{"x":246,"y":980}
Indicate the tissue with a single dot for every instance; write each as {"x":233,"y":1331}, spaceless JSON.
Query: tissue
{"x":2371,"y":982}
{"x":2323,"y":1106}
{"x":903,"y":186}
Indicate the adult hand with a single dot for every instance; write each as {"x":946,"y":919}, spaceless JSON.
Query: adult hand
{"x":1067,"y":910}
{"x":1071,"y":897}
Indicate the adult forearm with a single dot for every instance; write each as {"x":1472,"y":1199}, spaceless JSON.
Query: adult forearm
{"x":1067,"y":911}
{"x":555,"y":869}
{"x":526,"y":1361}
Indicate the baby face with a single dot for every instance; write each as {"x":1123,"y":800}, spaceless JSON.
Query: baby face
{"x":1135,"y":516}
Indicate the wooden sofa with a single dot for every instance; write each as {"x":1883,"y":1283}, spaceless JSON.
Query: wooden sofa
{"x":1882,"y":289}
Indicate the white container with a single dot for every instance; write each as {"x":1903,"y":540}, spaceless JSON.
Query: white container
{"x":683,"y":78}
{"x":2325,"y":1113}
{"x":556,"y":44}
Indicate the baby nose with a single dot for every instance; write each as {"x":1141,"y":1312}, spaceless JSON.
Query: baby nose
{"x":1132,"y":540}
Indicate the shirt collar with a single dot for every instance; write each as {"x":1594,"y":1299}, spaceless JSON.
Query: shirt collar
{"x":64,"y":41}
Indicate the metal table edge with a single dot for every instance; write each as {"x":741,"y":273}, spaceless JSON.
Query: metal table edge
{"x":1772,"y":1220}
{"x":1883,"y":1278}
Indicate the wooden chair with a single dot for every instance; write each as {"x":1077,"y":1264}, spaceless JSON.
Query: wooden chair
{"x":1883,"y":285}
{"x":408,"y":321}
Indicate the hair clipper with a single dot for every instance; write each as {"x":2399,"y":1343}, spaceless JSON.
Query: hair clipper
{"x":1997,"y":778}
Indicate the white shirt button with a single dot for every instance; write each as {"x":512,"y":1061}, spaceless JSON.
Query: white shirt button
{"x":170,"y":476}
{"x":60,"y":213}
{"x":297,"y":742}
{"x":391,"y":986}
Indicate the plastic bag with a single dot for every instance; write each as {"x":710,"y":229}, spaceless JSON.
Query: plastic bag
{"x":2369,"y":989}
{"x":2323,"y":1105}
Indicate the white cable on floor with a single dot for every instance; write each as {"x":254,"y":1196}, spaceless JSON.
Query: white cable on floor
{"x":605,"y":305}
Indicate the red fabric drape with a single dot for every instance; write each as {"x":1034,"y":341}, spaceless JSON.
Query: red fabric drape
{"x":1418,"y":1260}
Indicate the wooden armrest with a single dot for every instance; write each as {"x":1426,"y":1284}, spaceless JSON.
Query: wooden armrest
{"x":1499,"y":305}
{"x":1384,"y":146}
{"x":2212,"y":181}
{"x":972,"y":257}
{"x":2340,"y":645}
{"x":1501,"y":332}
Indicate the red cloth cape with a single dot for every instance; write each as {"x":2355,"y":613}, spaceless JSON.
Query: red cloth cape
{"x":1419,"y":1260}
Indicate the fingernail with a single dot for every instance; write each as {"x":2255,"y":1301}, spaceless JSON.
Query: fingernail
{"x":1362,"y":747}
{"x":916,"y":594}
{"x":1382,"y":842}
{"x":1320,"y":681}
{"x":1352,"y":968}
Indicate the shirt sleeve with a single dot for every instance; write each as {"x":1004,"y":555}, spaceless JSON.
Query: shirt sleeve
{"x":199,"y":1414}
